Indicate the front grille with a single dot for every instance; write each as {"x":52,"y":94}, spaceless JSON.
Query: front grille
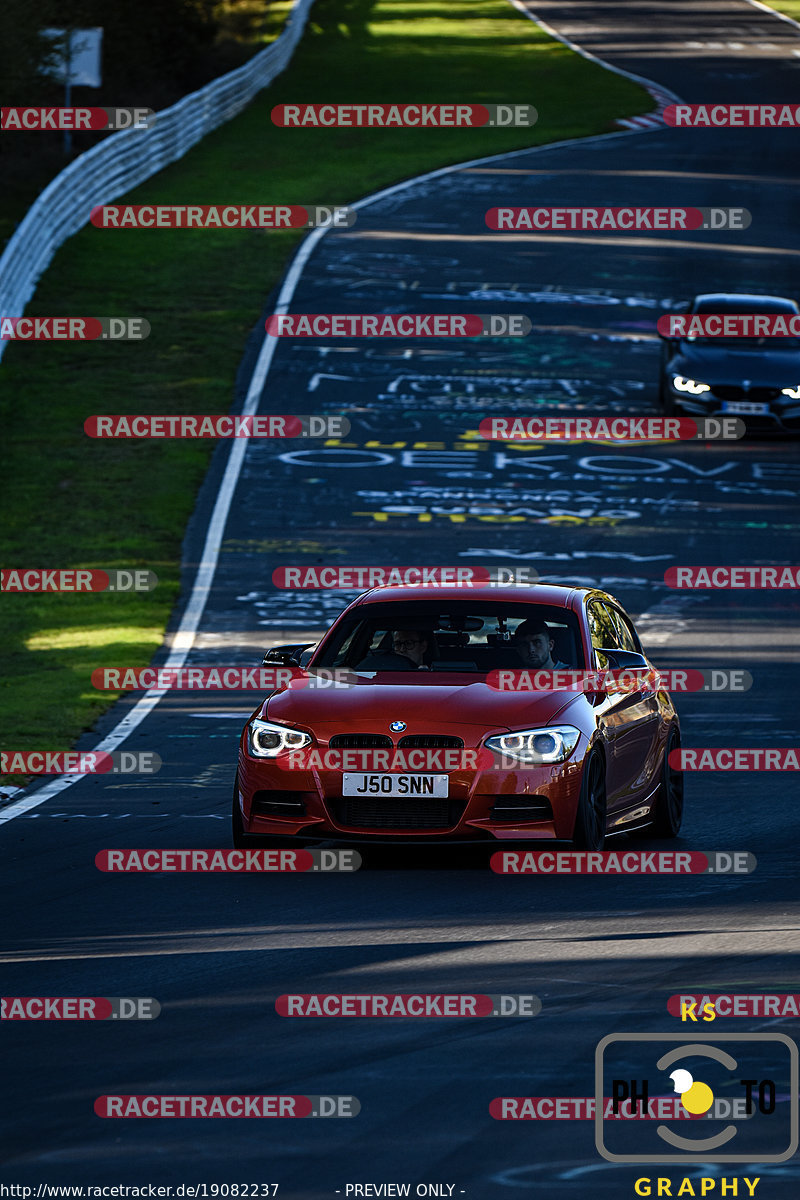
{"x":396,"y":813}
{"x":352,"y":741}
{"x":430,"y":741}
{"x":288,"y":804}
{"x":761,"y":395}
{"x":521,"y":808}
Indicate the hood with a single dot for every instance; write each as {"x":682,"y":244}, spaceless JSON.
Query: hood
{"x":728,"y":365}
{"x":439,"y":705}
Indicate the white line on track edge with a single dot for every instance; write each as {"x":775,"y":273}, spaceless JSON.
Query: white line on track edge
{"x":655,"y":89}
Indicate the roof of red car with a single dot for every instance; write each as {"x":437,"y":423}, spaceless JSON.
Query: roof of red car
{"x":557,"y":595}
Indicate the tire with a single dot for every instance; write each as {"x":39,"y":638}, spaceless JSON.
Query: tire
{"x":668,"y":806}
{"x":590,"y":820}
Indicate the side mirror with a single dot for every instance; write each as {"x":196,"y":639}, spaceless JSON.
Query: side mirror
{"x":627,"y":660}
{"x":621,"y":660}
{"x":285,"y":656}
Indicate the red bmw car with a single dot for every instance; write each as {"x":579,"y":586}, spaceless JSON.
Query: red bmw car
{"x":416,"y":741}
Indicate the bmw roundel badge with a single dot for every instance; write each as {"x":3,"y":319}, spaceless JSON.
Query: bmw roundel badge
{"x":398,"y":726}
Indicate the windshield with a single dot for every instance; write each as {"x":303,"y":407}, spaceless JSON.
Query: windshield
{"x":464,"y":637}
{"x":745,"y":343}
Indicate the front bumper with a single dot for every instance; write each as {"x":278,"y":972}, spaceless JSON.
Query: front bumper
{"x":781,"y":415}
{"x":536,"y":803}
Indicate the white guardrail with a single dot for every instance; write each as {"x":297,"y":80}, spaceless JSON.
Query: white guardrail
{"x":125,"y":159}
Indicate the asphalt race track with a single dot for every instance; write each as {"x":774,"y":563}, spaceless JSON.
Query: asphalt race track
{"x":414,"y":483}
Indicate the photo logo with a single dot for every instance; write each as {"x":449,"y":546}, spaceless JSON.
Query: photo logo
{"x":732,"y":1091}
{"x":696,"y":1098}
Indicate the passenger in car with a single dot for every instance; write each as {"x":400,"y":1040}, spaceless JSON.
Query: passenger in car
{"x":534,"y":643}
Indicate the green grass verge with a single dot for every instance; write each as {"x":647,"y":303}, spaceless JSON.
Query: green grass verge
{"x":789,"y":8}
{"x":72,"y":501}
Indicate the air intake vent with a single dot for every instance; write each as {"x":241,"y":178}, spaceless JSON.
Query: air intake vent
{"x":354,"y":741}
{"x":284,"y":804}
{"x":430,"y":741}
{"x":521,"y":808}
{"x":368,"y":813}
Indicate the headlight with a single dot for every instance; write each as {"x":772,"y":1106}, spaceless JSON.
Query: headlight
{"x":551,"y":745}
{"x":267,"y":740}
{"x":682,"y":384}
{"x":794,"y":392}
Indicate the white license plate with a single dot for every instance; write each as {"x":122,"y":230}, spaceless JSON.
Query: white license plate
{"x":746,"y":407}
{"x":354,"y":784}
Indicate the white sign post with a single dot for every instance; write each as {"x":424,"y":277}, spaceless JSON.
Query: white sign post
{"x":75,"y":60}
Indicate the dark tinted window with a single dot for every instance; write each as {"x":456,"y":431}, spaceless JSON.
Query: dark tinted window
{"x":770,"y":306}
{"x":625,"y":631}
{"x":460,"y":636}
{"x":603,"y":627}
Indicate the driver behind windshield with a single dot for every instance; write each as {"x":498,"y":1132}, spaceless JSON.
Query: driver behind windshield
{"x":415,"y":644}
